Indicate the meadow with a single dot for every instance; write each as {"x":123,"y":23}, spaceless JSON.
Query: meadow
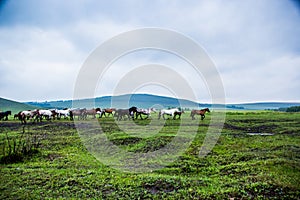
{"x":47,"y":160}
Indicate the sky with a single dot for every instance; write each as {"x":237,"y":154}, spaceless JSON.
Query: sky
{"x":254,"y":45}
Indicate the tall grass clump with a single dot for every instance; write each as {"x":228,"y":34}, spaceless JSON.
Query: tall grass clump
{"x":16,"y":148}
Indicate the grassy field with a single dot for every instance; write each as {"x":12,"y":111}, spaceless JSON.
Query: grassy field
{"x":48,"y":160}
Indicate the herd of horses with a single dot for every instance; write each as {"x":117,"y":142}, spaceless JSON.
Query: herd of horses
{"x":82,"y":114}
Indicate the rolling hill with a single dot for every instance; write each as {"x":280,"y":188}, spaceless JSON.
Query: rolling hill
{"x":121,"y":101}
{"x":14,"y":106}
{"x":148,"y":100}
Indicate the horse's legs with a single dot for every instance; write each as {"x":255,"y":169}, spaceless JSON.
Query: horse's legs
{"x":140,"y":114}
{"x":193,"y":116}
{"x":119,"y":117}
{"x":179,"y":115}
{"x":202,"y":117}
{"x":101,"y":114}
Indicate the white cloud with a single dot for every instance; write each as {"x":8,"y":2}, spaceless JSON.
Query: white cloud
{"x":254,"y":44}
{"x":37,"y":64}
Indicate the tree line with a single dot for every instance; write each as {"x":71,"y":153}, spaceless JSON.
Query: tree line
{"x":290,"y":109}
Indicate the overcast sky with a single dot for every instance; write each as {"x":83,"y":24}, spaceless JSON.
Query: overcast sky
{"x":255,"y":45}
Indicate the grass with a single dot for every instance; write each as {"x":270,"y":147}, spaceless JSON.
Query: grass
{"x":239,"y":166}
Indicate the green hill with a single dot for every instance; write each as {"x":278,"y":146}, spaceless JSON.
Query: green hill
{"x":148,"y":100}
{"x":14,"y":106}
{"x":121,"y":101}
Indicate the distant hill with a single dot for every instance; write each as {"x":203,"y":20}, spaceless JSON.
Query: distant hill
{"x":148,"y":100}
{"x":14,"y":106}
{"x":262,"y":105}
{"x":121,"y":101}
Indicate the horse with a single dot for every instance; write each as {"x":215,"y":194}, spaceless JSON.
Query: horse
{"x":4,"y":115}
{"x":170,"y":112}
{"x":178,"y":113}
{"x":64,"y":112}
{"x":141,"y":112}
{"x":199,"y":112}
{"x":93,"y":112}
{"x":120,"y":113}
{"x":28,"y":114}
{"x":107,"y":110}
{"x":16,"y":116}
{"x":81,"y":113}
{"x":48,"y":114}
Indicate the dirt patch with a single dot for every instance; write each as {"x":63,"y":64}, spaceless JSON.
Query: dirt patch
{"x":159,"y":186}
{"x":255,"y":128}
{"x":232,"y":127}
{"x":126,"y":141}
{"x":53,"y":156}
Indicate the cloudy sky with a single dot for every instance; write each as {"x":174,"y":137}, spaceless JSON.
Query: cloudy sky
{"x":255,"y":45}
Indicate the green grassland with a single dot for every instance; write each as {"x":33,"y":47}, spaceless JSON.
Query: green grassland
{"x":240,"y":165}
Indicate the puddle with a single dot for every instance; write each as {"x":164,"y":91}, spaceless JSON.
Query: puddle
{"x":263,"y":134}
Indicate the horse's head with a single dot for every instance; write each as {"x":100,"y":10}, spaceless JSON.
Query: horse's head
{"x":54,"y":112}
{"x":133,"y":109}
{"x":207,"y":109}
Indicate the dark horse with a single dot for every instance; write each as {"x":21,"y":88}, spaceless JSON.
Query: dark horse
{"x":4,"y":115}
{"x":199,"y":112}
{"x":178,"y":113}
{"x":120,"y":113}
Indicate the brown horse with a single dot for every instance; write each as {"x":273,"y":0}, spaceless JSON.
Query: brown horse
{"x":16,"y":116}
{"x":199,"y":112}
{"x":107,"y":110}
{"x":28,"y":114}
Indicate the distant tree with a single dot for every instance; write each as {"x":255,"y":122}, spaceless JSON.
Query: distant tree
{"x":293,"y":109}
{"x":281,"y":109}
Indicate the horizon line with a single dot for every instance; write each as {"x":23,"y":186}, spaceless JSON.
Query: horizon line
{"x":159,"y":95}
